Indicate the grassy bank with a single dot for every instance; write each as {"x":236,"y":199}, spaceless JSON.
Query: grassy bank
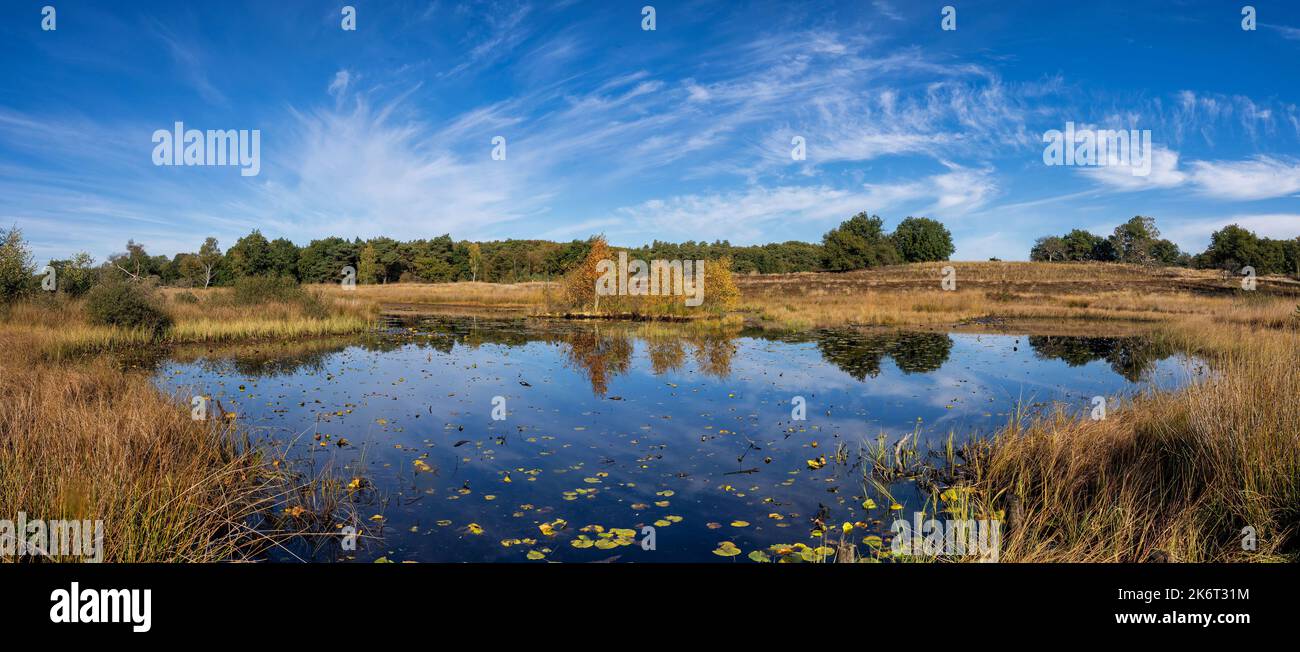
{"x":59,"y":329}
{"x":1167,"y":477}
{"x":82,"y":438}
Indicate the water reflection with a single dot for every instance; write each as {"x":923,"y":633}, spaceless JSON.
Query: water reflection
{"x":602,"y":351}
{"x":687,"y":428}
{"x":1130,"y":357}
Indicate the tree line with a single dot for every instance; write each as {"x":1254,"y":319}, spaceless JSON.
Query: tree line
{"x":1138,"y":241}
{"x":858,"y":242}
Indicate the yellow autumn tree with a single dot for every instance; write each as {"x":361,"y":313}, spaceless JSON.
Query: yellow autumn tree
{"x":578,"y":287}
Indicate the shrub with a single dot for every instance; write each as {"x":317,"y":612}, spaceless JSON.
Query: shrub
{"x":257,"y":290}
{"x":15,"y":266}
{"x":252,"y":290}
{"x":127,"y":305}
{"x":185,"y":297}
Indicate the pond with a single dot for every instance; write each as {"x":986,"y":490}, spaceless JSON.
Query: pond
{"x":528,"y":440}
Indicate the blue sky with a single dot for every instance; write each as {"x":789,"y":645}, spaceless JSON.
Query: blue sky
{"x":679,"y":133}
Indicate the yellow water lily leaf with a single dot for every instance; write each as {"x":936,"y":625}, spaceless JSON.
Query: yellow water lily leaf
{"x":727,"y":549}
{"x":549,"y":528}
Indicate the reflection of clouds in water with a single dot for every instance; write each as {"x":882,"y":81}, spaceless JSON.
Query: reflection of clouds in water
{"x":656,"y":436}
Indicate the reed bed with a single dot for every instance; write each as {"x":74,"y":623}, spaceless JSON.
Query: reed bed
{"x":91,"y":442}
{"x":1169,"y":477}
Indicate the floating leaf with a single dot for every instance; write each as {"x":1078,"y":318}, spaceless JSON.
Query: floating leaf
{"x":727,"y":549}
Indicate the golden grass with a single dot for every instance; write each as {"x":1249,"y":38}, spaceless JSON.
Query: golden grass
{"x":1172,"y":476}
{"x":92,"y":442}
{"x":518,"y":295}
{"x":910,"y":295}
{"x":59,"y":328}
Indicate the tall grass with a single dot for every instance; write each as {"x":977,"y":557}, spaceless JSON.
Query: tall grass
{"x":1172,"y":476}
{"x":94,"y":443}
{"x":91,"y":441}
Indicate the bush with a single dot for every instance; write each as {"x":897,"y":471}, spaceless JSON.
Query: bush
{"x":185,"y":297}
{"x":252,"y":290}
{"x":257,"y":290}
{"x":15,"y":266}
{"x":127,"y":305}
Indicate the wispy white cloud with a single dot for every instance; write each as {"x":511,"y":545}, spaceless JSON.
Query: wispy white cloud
{"x":339,"y":85}
{"x":1262,"y":177}
{"x":1164,"y":172}
{"x":1287,"y":32}
{"x":742,"y":216}
{"x":190,"y":62}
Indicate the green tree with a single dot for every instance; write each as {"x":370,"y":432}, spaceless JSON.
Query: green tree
{"x":251,"y":256}
{"x":77,"y":275}
{"x":1082,"y":245}
{"x":15,"y":265}
{"x":208,"y":258}
{"x":284,"y":258}
{"x":1133,"y":240}
{"x":1164,"y":252}
{"x":1232,"y":248}
{"x":322,"y":261}
{"x":367,"y":266}
{"x":1049,"y":249}
{"x":921,"y":239}
{"x":858,"y":243}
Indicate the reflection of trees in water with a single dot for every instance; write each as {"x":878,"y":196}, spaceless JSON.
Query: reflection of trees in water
{"x":263,"y":360}
{"x":860,"y":355}
{"x":599,"y":356}
{"x":602,"y":353}
{"x":666,"y":354}
{"x":1130,"y":357}
{"x":713,"y":354}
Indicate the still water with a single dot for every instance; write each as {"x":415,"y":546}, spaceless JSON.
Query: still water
{"x":531,"y":441}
